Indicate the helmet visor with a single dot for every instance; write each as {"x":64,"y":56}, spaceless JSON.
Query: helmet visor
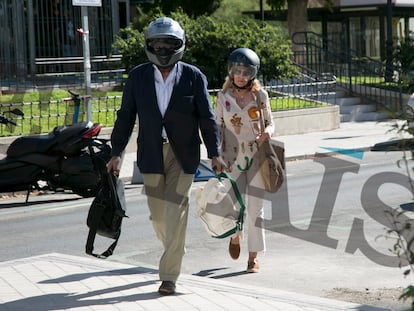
{"x":243,"y":71}
{"x":164,"y":45}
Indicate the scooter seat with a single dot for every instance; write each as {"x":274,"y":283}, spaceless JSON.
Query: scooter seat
{"x":46,"y":143}
{"x":30,"y":144}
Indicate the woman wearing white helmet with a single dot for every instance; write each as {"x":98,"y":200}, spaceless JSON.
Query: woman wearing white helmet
{"x":238,"y":117}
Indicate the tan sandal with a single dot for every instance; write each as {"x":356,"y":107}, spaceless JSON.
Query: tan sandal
{"x":253,"y":266}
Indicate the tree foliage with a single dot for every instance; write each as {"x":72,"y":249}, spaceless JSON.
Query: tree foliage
{"x":208,"y":44}
{"x":297,"y":17}
{"x":279,"y":4}
{"x":192,"y":8}
{"x":404,"y":57}
{"x":233,"y":9}
{"x":276,"y":4}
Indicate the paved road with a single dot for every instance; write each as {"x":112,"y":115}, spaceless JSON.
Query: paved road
{"x":295,"y":263}
{"x":292,"y":264}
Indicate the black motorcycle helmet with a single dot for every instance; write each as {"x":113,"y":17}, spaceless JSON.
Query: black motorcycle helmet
{"x":243,"y":57}
{"x":164,"y":42}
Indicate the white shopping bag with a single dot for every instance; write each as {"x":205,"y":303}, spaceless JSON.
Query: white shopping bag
{"x":220,"y":215}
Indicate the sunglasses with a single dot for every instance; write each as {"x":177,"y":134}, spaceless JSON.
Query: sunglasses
{"x":245,"y":73}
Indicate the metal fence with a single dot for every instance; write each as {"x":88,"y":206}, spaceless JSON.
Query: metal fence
{"x":43,"y":117}
{"x":309,"y":89}
{"x":64,"y":72}
{"x":305,"y":91}
{"x":374,"y":81}
{"x":40,"y":44}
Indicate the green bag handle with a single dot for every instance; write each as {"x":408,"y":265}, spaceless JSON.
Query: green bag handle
{"x":240,"y":220}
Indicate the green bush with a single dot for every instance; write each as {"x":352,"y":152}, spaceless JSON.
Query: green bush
{"x":404,"y":56}
{"x":208,"y":44}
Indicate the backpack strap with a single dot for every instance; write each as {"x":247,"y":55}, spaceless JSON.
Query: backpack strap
{"x":92,"y":234}
{"x":89,"y":245}
{"x":109,"y":182}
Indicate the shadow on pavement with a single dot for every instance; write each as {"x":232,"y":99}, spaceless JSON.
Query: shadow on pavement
{"x":30,"y":203}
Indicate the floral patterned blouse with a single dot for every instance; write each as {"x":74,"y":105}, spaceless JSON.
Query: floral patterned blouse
{"x":240,"y":127}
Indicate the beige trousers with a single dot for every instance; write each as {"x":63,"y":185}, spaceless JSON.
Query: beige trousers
{"x":168,"y":202}
{"x":250,"y":184}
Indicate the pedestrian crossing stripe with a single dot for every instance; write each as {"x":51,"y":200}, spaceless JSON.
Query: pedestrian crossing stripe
{"x":204,"y":172}
{"x":355,"y":153}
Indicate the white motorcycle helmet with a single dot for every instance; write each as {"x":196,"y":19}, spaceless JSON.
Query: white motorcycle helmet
{"x":164,"y":42}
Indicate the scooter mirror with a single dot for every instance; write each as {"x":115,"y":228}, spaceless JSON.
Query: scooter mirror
{"x":17,"y":111}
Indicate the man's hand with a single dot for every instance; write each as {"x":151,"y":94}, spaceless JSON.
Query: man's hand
{"x":218,"y":165}
{"x":114,"y":165}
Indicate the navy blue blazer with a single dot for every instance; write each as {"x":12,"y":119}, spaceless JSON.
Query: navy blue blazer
{"x":189,"y":113}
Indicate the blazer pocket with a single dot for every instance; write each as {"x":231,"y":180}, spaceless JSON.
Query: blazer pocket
{"x":188,"y":99}
{"x":185,"y":104}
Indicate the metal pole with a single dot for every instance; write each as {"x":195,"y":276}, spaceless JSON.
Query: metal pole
{"x":389,"y":44}
{"x":262,"y":12}
{"x":31,"y":37}
{"x":19,"y":41}
{"x":87,"y":60}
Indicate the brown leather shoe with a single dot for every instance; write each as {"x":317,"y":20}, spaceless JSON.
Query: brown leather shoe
{"x":167,"y":288}
{"x":253,"y":266}
{"x":234,"y":250}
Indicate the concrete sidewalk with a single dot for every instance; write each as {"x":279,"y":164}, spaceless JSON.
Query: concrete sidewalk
{"x":62,"y":282}
{"x":350,"y":136}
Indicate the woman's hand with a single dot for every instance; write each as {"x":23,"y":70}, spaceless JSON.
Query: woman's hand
{"x":263,"y":137}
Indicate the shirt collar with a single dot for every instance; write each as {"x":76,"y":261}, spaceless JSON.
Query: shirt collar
{"x":158,"y":75}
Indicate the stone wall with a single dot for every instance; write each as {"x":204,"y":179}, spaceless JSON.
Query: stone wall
{"x":306,"y":120}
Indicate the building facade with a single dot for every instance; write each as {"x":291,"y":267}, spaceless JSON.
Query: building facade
{"x":370,"y":27}
{"x":38,"y":37}
{"x":364,"y":26}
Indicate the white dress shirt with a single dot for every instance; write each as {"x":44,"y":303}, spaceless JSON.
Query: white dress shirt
{"x":164,"y":90}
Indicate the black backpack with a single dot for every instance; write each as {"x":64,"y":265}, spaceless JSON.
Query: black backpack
{"x":106,"y":214}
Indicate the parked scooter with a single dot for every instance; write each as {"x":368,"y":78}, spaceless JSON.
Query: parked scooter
{"x":64,"y":159}
{"x":8,"y":120}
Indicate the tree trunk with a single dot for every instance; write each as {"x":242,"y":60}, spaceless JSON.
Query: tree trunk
{"x":297,"y":19}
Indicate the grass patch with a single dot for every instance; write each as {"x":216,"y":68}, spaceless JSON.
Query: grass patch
{"x":43,"y":111}
{"x":46,"y":96}
{"x":362,"y":79}
{"x":287,"y":103}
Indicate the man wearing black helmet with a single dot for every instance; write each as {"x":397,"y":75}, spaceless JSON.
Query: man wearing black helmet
{"x":237,"y":112}
{"x":172,"y":103}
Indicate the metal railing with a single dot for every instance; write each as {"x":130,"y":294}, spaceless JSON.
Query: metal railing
{"x":64,"y":72}
{"x":375,"y":82}
{"x":305,"y":91}
{"x":308,"y":89}
{"x":43,"y":117}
